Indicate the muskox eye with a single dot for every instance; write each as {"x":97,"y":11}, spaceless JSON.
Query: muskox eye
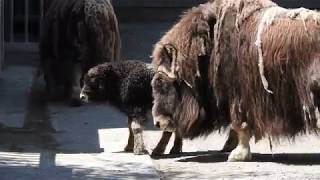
{"x":157,"y":83}
{"x":93,"y":80}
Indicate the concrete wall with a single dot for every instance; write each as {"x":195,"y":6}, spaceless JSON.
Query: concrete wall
{"x":167,"y":10}
{"x":157,"y":3}
{"x":151,"y":10}
{"x":311,"y":4}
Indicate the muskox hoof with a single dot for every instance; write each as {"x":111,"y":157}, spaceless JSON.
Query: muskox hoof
{"x":176,"y":150}
{"x":157,"y":152}
{"x":230,"y":145}
{"x":240,"y":154}
{"x":74,"y":102}
{"x":140,"y":151}
{"x":128,"y":149}
{"x":232,"y":142}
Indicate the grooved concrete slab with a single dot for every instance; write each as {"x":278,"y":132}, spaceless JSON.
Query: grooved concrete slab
{"x":50,"y":166}
{"x":15,"y":85}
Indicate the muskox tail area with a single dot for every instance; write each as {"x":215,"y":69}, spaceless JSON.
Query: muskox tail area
{"x":300,"y":101}
{"x":103,"y":28}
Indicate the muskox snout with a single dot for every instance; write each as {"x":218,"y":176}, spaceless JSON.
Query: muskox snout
{"x":164,"y":123}
{"x":84,"y":97}
{"x":157,"y":124}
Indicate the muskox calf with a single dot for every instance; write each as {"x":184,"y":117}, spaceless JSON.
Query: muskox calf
{"x":127,"y":85}
{"x":75,"y":36}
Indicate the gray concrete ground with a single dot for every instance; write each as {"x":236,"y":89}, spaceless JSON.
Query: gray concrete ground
{"x":45,"y":140}
{"x":41,"y":140}
{"x":201,"y":160}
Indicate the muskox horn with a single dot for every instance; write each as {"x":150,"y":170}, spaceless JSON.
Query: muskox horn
{"x":172,"y":53}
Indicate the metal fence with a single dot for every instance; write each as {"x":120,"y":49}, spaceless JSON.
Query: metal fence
{"x":22,"y":22}
{"x":1,"y":35}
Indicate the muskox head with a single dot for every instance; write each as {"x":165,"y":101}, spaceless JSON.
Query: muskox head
{"x":95,"y":83}
{"x":180,"y":101}
{"x":166,"y":98}
{"x":180,"y":86}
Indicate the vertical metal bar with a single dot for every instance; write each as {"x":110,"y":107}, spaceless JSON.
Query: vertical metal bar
{"x":26,"y":20}
{"x":1,"y":35}
{"x":41,"y":15}
{"x":41,"y":9}
{"x":11,"y":20}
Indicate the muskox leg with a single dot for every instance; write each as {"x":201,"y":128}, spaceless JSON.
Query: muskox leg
{"x":137,"y":129}
{"x":231,"y":142}
{"x":162,"y":144}
{"x":76,"y":88}
{"x":177,"y":146}
{"x":242,"y":151}
{"x":129,"y":147}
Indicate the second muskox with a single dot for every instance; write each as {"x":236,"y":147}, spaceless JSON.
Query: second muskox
{"x":181,"y":59}
{"x":263,"y":75}
{"x":127,"y":85}
{"x":75,"y":36}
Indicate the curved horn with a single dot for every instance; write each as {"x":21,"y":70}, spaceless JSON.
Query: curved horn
{"x":172,"y":53}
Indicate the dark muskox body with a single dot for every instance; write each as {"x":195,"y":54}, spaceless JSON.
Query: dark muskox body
{"x":75,"y":36}
{"x":127,"y":85}
{"x":263,"y":75}
{"x":180,"y":87}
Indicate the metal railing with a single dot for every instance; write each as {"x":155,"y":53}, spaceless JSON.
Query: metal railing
{"x":1,"y":34}
{"x":23,"y":18}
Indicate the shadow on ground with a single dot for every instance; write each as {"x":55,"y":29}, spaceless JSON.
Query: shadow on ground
{"x":216,"y":156}
{"x":59,"y":142}
{"x":47,"y":166}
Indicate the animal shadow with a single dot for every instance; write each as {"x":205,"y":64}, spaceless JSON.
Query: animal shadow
{"x":283,"y":158}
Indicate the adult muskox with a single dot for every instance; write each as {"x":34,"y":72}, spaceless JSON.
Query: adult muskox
{"x":264,"y":72}
{"x":75,"y":36}
{"x":181,"y":59}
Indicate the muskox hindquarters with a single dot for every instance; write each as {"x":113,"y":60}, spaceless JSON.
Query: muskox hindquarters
{"x":270,"y":89}
{"x":75,"y":36}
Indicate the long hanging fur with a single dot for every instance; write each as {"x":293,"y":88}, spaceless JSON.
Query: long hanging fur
{"x":262,"y":48}
{"x":183,"y":54}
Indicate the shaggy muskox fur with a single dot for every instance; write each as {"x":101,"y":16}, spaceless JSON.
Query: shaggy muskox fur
{"x":180,"y":86}
{"x":269,"y":80}
{"x":127,"y":85}
{"x":75,"y":36}
{"x":263,"y":72}
{"x":177,"y":57}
